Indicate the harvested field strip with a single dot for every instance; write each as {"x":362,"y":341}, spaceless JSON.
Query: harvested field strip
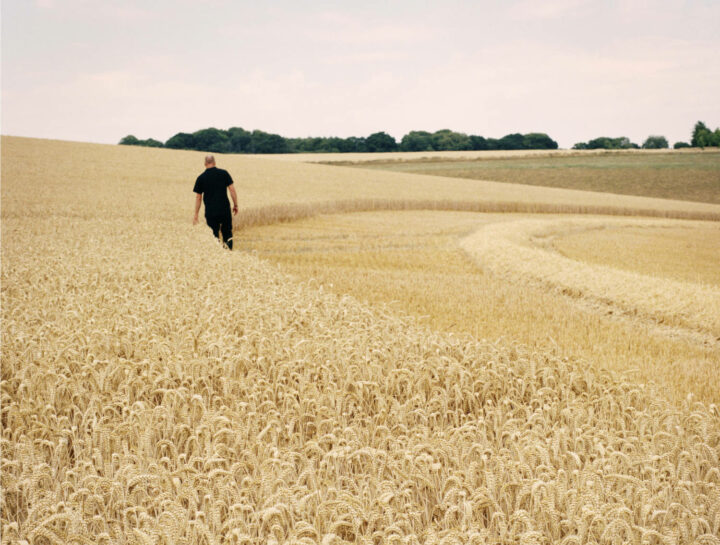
{"x":507,"y":250}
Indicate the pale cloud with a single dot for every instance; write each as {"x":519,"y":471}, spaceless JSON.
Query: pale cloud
{"x":369,"y":57}
{"x":546,"y":9}
{"x":567,"y":67}
{"x":123,"y":11}
{"x":340,"y":28}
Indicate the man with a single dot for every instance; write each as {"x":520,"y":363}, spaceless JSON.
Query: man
{"x":211,"y":186}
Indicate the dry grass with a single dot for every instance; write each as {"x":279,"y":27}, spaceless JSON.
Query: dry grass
{"x":157,"y":389}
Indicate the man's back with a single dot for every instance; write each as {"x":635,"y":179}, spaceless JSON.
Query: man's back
{"x":213,"y":185}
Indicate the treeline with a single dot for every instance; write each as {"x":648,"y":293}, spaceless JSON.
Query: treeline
{"x":239,"y":140}
{"x":702,"y":137}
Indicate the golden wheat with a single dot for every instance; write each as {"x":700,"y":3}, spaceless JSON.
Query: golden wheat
{"x":157,"y":389}
{"x":412,"y":262}
{"x":685,"y":252}
{"x":507,"y":249}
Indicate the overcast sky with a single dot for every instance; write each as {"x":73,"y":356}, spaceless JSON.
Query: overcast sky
{"x":95,"y":71}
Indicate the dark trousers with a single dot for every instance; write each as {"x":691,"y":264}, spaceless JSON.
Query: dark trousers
{"x":221,"y":223}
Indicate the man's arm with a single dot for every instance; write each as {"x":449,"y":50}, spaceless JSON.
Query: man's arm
{"x":198,"y":200}
{"x":234,"y":198}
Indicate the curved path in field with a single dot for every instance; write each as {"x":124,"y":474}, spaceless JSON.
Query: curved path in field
{"x":518,"y":251}
{"x":500,"y":276}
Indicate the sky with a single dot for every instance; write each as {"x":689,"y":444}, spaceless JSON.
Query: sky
{"x":96,"y":71}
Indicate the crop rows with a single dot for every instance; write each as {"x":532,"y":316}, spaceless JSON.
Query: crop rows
{"x":510,"y":249}
{"x":204,"y":397}
{"x":156,"y":389}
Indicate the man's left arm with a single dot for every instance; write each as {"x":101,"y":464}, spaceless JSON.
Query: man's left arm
{"x":231,"y":187}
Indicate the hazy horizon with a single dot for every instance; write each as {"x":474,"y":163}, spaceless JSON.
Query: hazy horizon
{"x":576,"y":70}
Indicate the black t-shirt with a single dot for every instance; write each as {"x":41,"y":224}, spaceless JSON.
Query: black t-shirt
{"x":212,"y":184}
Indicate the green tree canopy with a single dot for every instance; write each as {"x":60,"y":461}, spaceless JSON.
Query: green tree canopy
{"x":417,"y":141}
{"x":264,"y":142}
{"x":703,"y":137}
{"x":655,"y":142}
{"x":129,"y":140}
{"x":605,"y":142}
{"x":512,"y":141}
{"x":478,"y":142}
{"x":447,"y":140}
{"x":380,"y":141}
{"x":181,"y":140}
{"x":239,"y":140}
{"x":211,"y":139}
{"x":538,"y":140}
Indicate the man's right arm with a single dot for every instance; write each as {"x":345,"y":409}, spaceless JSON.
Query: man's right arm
{"x":198,"y":201}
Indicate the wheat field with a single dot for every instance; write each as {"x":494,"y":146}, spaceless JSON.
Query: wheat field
{"x":413,"y":261}
{"x":158,"y":389}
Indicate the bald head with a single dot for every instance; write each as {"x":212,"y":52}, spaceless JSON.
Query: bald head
{"x":209,"y":161}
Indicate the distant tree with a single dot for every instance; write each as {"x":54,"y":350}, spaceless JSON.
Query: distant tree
{"x":601,"y":142}
{"x":511,"y":141}
{"x":538,"y":140}
{"x":356,"y":144}
{"x":701,"y":136}
{"x":447,"y":140}
{"x":313,"y":144}
{"x":604,"y":142}
{"x":580,"y":145}
{"x":416,"y":141}
{"x":680,"y":145}
{"x":380,"y":141}
{"x":181,"y":140}
{"x":624,"y":142}
{"x":655,"y":142}
{"x":342,"y":145}
{"x":493,"y":144}
{"x":263,"y":142}
{"x":211,"y":139}
{"x":129,"y":140}
{"x":478,"y":142}
{"x":151,"y":143}
{"x":239,"y":140}
{"x":334,"y":144}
